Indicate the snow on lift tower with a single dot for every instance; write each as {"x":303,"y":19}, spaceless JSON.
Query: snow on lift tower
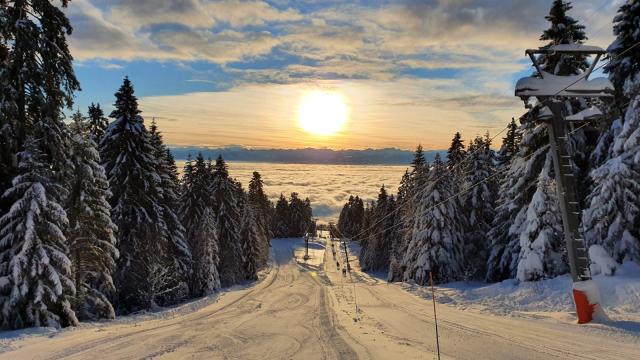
{"x":545,"y":94}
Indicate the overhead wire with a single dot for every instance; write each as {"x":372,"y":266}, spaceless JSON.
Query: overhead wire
{"x":469,"y":155}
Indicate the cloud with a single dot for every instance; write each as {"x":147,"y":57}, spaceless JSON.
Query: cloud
{"x":332,"y":40}
{"x":411,"y":70}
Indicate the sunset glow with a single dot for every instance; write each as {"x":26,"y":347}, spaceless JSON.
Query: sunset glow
{"x":322,"y":113}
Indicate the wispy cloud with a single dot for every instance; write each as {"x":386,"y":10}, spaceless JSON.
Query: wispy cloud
{"x":427,"y":65}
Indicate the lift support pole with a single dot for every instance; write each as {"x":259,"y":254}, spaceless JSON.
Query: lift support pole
{"x":566,"y":188}
{"x":585,"y":293}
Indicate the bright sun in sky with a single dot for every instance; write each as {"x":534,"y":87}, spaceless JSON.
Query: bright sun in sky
{"x":322,"y":113}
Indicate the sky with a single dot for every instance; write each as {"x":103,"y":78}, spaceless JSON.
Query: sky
{"x":217,"y":73}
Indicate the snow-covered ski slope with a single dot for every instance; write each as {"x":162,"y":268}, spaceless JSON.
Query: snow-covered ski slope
{"x":306,"y":311}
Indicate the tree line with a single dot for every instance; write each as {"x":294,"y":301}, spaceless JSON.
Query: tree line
{"x":94,"y":218}
{"x":493,"y":215}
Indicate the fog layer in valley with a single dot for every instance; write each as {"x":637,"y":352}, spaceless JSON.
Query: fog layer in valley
{"x":328,"y":186}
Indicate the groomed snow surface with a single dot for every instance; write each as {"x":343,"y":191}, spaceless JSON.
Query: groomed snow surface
{"x":306,"y":309}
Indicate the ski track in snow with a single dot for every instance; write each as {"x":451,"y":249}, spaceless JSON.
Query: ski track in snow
{"x":306,"y":311}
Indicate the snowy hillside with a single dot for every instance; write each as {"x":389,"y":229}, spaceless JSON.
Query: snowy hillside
{"x":307,"y":310}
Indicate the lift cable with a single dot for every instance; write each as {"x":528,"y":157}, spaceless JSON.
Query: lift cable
{"x":468,"y":156}
{"x":472,"y":186}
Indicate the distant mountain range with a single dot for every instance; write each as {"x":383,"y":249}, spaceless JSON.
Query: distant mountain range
{"x":389,"y":156}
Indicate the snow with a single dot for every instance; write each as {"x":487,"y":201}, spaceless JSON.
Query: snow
{"x":569,"y":48}
{"x":552,"y":85}
{"x":601,"y":261}
{"x":546,"y":298}
{"x":590,"y":113}
{"x":310,"y":311}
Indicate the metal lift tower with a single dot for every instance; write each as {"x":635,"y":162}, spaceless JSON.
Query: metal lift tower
{"x":551,"y":92}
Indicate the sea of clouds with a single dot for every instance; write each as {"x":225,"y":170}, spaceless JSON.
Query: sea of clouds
{"x":328,"y":186}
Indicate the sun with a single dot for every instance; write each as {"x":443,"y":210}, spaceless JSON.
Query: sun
{"x":322,"y":113}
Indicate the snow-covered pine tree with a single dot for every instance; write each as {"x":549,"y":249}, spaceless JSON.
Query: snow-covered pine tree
{"x":375,"y":250}
{"x":418,"y":158}
{"x":298,"y":220}
{"x":8,"y":145}
{"x":407,"y":202}
{"x":201,"y":227}
{"x":344,"y":218}
{"x":97,"y":122}
{"x":91,"y":234}
{"x":280,"y":221}
{"x":478,"y":206}
{"x":613,"y":208}
{"x":522,"y":179}
{"x":228,"y":217}
{"x":177,"y":256}
{"x":456,"y":152}
{"x":624,"y":60}
{"x":38,"y":81}
{"x":257,"y":198}
{"x":351,"y":217}
{"x":128,"y":158}
{"x":542,"y":246}
{"x":36,"y":286}
{"x":253,"y":240}
{"x":204,"y":239}
{"x":195,"y":196}
{"x":564,"y":30}
{"x":437,"y":243}
{"x":516,"y":189}
{"x":398,"y":246}
{"x":510,"y":144}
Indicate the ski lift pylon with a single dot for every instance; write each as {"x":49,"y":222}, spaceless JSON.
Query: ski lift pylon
{"x":545,"y":84}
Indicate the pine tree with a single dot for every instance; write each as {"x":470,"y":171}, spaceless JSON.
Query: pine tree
{"x":196,"y":183}
{"x":418,"y":158}
{"x":376,"y":249}
{"x":479,"y":206}
{"x":128,"y":158}
{"x":613,"y":209}
{"x":201,"y":226}
{"x":612,"y":216}
{"x":516,"y":190}
{"x":37,"y":81}
{"x":624,"y":60}
{"x":259,"y":201}
{"x":408,"y":200}
{"x":280,"y":224}
{"x":228,"y":217}
{"x":97,"y":122}
{"x":253,"y":239}
{"x":437,"y":239}
{"x":204,"y":240}
{"x":542,"y":246}
{"x":564,"y":30}
{"x":510,"y":144}
{"x":298,"y":218}
{"x":456,"y":152}
{"x":177,"y":256}
{"x":35,"y":272}
{"x":91,"y":234}
{"x":403,"y":226}
{"x":522,"y":180}
{"x":351,"y":217}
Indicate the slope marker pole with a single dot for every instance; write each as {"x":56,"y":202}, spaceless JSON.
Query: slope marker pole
{"x":435,"y":318}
